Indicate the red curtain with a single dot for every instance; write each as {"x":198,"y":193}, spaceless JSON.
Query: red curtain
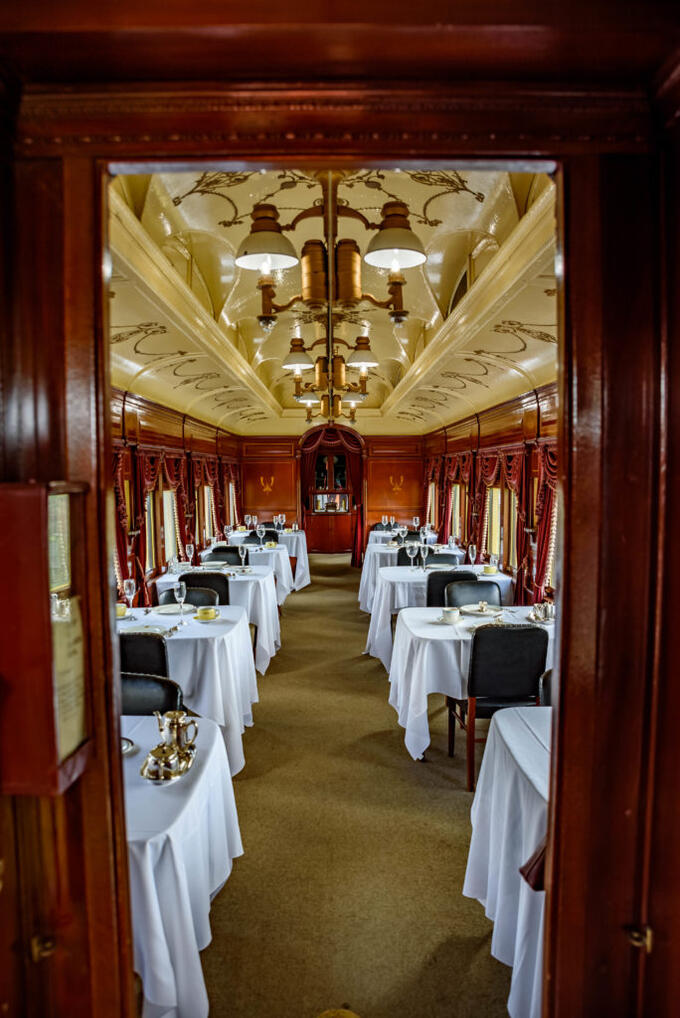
{"x":175,"y":474}
{"x":121,"y":525}
{"x":488,"y":464}
{"x":516,"y":464}
{"x":331,"y":437}
{"x":448,"y":475}
{"x":148,"y":470}
{"x":433,"y":465}
{"x":545,"y":505}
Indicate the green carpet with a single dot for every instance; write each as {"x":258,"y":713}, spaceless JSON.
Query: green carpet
{"x":349,"y":892}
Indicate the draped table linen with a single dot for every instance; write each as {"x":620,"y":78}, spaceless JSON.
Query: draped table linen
{"x":383,"y":536}
{"x":403,"y":587}
{"x":213,"y":664}
{"x":295,"y":542}
{"x":509,"y":820}
{"x":254,"y":591}
{"x":378,"y":555}
{"x":431,"y":657}
{"x":181,"y":841}
{"x":277,"y":558}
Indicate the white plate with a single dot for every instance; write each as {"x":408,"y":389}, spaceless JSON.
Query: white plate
{"x":491,"y":612}
{"x":126,"y":745}
{"x":159,"y":630}
{"x":171,"y":609}
{"x":444,"y":622}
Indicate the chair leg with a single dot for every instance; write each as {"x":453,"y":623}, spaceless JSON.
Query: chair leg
{"x":472,"y":711}
{"x":452,"y":725}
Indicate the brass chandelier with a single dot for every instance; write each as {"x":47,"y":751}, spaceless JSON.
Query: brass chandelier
{"x":331,"y":283}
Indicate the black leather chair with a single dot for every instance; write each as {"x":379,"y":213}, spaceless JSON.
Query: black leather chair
{"x":229,"y":555}
{"x":446,"y":556}
{"x":437,"y":582}
{"x":143,"y":653}
{"x":215,"y":581}
{"x":143,"y":694}
{"x":545,"y":697}
{"x":196,"y":596}
{"x":403,"y":558}
{"x":460,"y":593}
{"x":381,"y":526}
{"x":506,"y":665}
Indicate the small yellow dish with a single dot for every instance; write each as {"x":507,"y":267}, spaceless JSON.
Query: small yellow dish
{"x":121,"y":611}
{"x":241,"y":530}
{"x":270,"y":544}
{"x":490,"y":570}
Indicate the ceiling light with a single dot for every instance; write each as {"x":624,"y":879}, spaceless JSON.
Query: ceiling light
{"x":395,"y":246}
{"x":297,"y":359}
{"x":308,"y":399}
{"x":355,"y":397}
{"x":265,"y":249}
{"x":362,"y":357}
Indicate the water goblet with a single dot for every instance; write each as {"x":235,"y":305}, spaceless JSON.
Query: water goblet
{"x":247,"y":519}
{"x":423,"y":534}
{"x":242,"y":552}
{"x":412,"y":551}
{"x":180,"y":591}
{"x":493,"y":561}
{"x":416,"y":522}
{"x":392,"y":521}
{"x":129,"y":589}
{"x":190,"y":553}
{"x":282,"y":517}
{"x":472,"y":552}
{"x":260,"y":530}
{"x":253,"y":520}
{"x":424,"y":552}
{"x":452,"y":541}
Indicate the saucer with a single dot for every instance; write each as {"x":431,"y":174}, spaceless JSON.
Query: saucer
{"x":215,"y":618}
{"x":127,"y":746}
{"x":171,"y":609}
{"x":491,"y":611}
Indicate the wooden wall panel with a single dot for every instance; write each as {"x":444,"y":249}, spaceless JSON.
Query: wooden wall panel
{"x":138,"y":421}
{"x":393,"y":487}
{"x":269,"y":486}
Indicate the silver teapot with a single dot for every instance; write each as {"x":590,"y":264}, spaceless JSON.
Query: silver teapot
{"x":162,"y":763}
{"x":177,"y":729}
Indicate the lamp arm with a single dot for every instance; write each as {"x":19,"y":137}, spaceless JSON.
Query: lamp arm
{"x":378,"y":303}
{"x":311,"y":213}
{"x":288,"y":304}
{"x":350,"y":213}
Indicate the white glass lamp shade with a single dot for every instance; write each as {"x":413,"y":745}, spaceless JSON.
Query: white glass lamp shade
{"x":355,"y":397}
{"x":297,"y":360}
{"x":395,"y":245}
{"x":308,"y":399}
{"x":363,"y":357}
{"x":265,"y":249}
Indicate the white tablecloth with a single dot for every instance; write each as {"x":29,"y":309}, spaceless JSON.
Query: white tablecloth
{"x":382,"y":536}
{"x":213,"y":664}
{"x":431,"y":658}
{"x":509,"y":819}
{"x":378,"y":555}
{"x":403,"y":587}
{"x":256,"y":592}
{"x":181,"y":839}
{"x":277,"y":558}
{"x":295,"y":542}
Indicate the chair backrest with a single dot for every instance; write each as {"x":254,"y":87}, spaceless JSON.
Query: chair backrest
{"x":223,"y":555}
{"x":271,"y":535}
{"x":143,"y":694}
{"x":438,"y":581}
{"x":404,"y":560}
{"x":143,"y":653}
{"x":197,"y":596}
{"x":470,"y":592}
{"x":412,"y":535}
{"x":215,"y":581}
{"x":380,"y":526}
{"x":446,"y":556}
{"x":506,"y":662}
{"x":545,"y":689}
{"x":251,"y":538}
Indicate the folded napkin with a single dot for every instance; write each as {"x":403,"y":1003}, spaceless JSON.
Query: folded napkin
{"x":160,"y":630}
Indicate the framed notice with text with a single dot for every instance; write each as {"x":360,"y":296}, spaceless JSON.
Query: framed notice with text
{"x":44,"y":729}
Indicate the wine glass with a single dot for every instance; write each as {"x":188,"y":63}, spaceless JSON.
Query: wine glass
{"x":403,"y":531}
{"x":129,"y":589}
{"x":247,"y":519}
{"x":228,"y":531}
{"x":423,"y":534}
{"x":493,"y":561}
{"x":260,"y":530}
{"x":472,"y":552}
{"x":253,"y":520}
{"x":412,"y":551}
{"x":190,"y":553}
{"x":180,"y":590}
{"x":392,"y":522}
{"x":242,"y":552}
{"x":416,"y":522}
{"x":282,"y":517}
{"x":452,"y":541}
{"x":424,"y":552}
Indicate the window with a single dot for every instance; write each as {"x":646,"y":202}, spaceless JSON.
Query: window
{"x":455,"y":511}
{"x":339,"y":472}
{"x":431,"y":503}
{"x":232,"y":504}
{"x":149,"y":519}
{"x":511,"y":538}
{"x":493,"y":541}
{"x":59,"y":542}
{"x":208,"y":513}
{"x":170,"y":525}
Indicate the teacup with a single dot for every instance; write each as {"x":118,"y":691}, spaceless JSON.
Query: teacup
{"x":451,"y":615}
{"x":490,"y":570}
{"x":121,"y":611}
{"x":206,"y":612}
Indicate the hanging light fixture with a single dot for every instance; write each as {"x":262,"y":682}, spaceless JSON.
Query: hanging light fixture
{"x":265,"y":249}
{"x":297,"y":359}
{"x":362,"y":356}
{"x":395,"y":246}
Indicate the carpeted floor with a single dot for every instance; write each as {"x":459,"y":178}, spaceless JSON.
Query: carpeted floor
{"x":349,"y":892}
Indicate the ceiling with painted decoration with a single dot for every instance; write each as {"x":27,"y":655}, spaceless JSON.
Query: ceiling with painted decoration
{"x":446,"y":278}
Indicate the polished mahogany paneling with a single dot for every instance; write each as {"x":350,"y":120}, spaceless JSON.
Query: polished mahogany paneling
{"x":330,"y":532}
{"x":393,"y":486}
{"x":138,"y":421}
{"x":269,"y":486}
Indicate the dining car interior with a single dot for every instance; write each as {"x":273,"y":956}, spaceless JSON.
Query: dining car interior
{"x":339,"y":389}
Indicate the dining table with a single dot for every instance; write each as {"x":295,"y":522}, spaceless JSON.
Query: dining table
{"x":406,"y":586}
{"x":378,"y":555}
{"x":431,"y":656}
{"x":253,"y":589}
{"x":509,"y":820}
{"x":383,"y":536}
{"x":211,"y":661}
{"x":295,"y":543}
{"x":182,"y":839}
{"x":277,"y":558}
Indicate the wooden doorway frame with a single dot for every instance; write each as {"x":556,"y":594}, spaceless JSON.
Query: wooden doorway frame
{"x":611,"y":417}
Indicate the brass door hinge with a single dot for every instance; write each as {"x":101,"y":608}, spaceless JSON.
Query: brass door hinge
{"x":641,"y":936}
{"x":42,"y":946}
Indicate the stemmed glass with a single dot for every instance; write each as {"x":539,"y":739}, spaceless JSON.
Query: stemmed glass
{"x":383,"y":520}
{"x":253,"y":520}
{"x":416,"y":522}
{"x":392,"y":522}
{"x":242,"y":552}
{"x":180,"y":589}
{"x":190,"y":553}
{"x":247,"y":519}
{"x":412,"y":550}
{"x":403,"y":531}
{"x":260,"y":530}
{"x":424,"y":552}
{"x":282,"y":517}
{"x":129,"y":589}
{"x":423,"y":535}
{"x":472,"y":552}
{"x":228,"y":531}
{"x":452,"y":541}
